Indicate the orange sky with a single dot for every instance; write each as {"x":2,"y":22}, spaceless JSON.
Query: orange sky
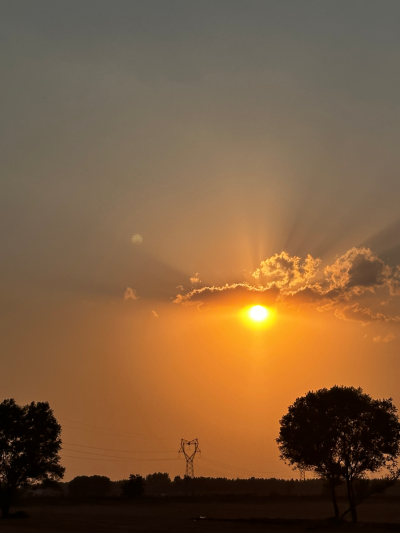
{"x":254,"y":147}
{"x":119,"y":378}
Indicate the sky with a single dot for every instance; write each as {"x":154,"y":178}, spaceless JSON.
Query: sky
{"x":165,"y":165}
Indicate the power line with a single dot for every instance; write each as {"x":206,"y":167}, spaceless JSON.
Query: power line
{"x":210,"y":469}
{"x":116,"y":434}
{"x":232,"y":454}
{"x":189,"y":469}
{"x":119,"y":460}
{"x":112,"y":431}
{"x":239,"y":468}
{"x":114,"y":450}
{"x":188,"y":456}
{"x":115,"y":456}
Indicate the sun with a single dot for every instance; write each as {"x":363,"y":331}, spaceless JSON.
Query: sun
{"x":258,"y":313}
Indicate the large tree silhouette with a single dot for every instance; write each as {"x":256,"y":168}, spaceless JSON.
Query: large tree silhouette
{"x":29,"y":445}
{"x":341,"y":434}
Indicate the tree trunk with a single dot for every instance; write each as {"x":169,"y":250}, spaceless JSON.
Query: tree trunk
{"x":334,"y":501}
{"x":351,"y":498}
{"x":6,"y":496}
{"x":5,"y":508}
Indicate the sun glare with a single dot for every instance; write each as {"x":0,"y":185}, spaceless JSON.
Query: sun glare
{"x":258,"y":313}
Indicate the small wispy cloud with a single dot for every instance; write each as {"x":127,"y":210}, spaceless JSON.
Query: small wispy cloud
{"x":195,"y":279}
{"x":387,"y":338}
{"x":229,"y":295}
{"x":155,"y":314}
{"x":130,"y":294}
{"x":137,"y":239}
{"x":363,"y":314}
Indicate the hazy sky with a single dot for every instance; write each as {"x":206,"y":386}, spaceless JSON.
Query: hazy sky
{"x":224,"y":132}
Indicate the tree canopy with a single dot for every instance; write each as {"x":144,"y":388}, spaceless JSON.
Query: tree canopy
{"x":341,"y":434}
{"x":29,"y":445}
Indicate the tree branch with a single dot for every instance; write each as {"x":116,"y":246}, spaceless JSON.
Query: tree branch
{"x":380,"y":487}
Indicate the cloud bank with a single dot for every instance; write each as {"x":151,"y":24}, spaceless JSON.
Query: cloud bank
{"x":353,"y":287}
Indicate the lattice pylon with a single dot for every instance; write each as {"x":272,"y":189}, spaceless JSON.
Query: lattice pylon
{"x":189,"y":454}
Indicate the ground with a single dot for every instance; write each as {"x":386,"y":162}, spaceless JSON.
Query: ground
{"x":168,"y":516}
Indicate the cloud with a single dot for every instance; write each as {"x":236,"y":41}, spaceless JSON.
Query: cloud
{"x":358,"y":270}
{"x":195,"y":279}
{"x":311,"y":294}
{"x":137,"y":239}
{"x":286,"y":271}
{"x":364,"y":315}
{"x":388,"y":338}
{"x":394,"y":282}
{"x":351,"y":287}
{"x":130,"y":294}
{"x":155,"y":314}
{"x":234,"y":294}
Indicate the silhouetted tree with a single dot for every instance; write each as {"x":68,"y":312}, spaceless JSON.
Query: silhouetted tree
{"x":29,"y":445}
{"x":133,"y":487}
{"x":89,"y":486}
{"x":158,"y":483}
{"x":341,"y":434}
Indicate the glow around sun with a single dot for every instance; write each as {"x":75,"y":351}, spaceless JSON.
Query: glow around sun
{"x":258,"y":313}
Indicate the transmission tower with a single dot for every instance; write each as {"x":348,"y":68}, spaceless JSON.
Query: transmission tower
{"x":302,"y":474}
{"x":189,"y":454}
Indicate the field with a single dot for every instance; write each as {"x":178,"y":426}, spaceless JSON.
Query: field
{"x":169,"y":516}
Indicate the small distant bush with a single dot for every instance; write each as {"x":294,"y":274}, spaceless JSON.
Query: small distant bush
{"x":133,"y":488}
{"x":158,"y":483}
{"x":89,"y":486}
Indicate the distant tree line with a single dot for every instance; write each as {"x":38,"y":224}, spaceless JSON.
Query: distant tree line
{"x":160,"y":485}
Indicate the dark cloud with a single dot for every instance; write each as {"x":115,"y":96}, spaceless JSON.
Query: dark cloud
{"x":358,"y":269}
{"x":365,"y":273}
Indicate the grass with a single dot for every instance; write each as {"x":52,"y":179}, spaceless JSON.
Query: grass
{"x":169,"y":516}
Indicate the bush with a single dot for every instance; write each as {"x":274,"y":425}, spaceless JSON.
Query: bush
{"x":133,"y":488}
{"x":89,"y":486}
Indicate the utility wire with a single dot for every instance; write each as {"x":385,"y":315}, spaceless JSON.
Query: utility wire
{"x":109,"y":433}
{"x":119,"y":433}
{"x":239,"y":468}
{"x":112,"y":431}
{"x":210,"y":469}
{"x":229,"y":452}
{"x":114,"y":456}
{"x":119,"y":460}
{"x":115,"y":450}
